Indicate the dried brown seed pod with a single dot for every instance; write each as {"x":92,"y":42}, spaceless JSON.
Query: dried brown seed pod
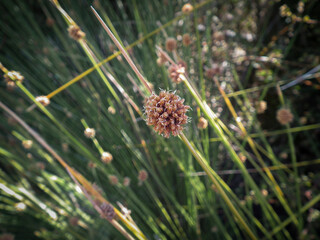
{"x":106,"y":157}
{"x":44,"y":100}
{"x":113,"y":180}
{"x":75,"y":32}
{"x":211,"y":72}
{"x":126,"y":181}
{"x":261,"y":107}
{"x":203,"y":123}
{"x":27,"y":144}
{"x":176,"y":69}
{"x":171,"y":44}
{"x":143,"y":175}
{"x":166,"y":113}
{"x":284,"y":116}
{"x":187,"y":8}
{"x":186,"y":39}
{"x":108,"y":211}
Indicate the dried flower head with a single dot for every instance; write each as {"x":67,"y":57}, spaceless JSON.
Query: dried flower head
{"x":166,"y":112}
{"x":203,"y":123}
{"x":176,"y":69}
{"x":111,"y":110}
{"x":162,"y":59}
{"x":261,"y":107}
{"x":106,"y":157}
{"x":44,"y":100}
{"x":186,"y":39}
{"x":171,"y":44}
{"x":108,"y":211}
{"x":11,"y":77}
{"x":27,"y":144}
{"x":89,"y":132}
{"x":284,"y":116}
{"x":75,"y":32}
{"x":113,"y":180}
{"x":143,"y":175}
{"x":92,"y":165}
{"x":214,"y":70}
{"x":74,"y":221}
{"x":126,"y":181}
{"x":7,"y":236}
{"x":187,"y":8}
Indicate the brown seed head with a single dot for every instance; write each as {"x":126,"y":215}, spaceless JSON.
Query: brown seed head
{"x":284,"y":116}
{"x":27,"y":144}
{"x":11,"y":77}
{"x":214,"y":70}
{"x":111,"y":110}
{"x":143,"y":175}
{"x":186,"y":39}
{"x":171,"y":44}
{"x":108,"y":211}
{"x":106,"y":157}
{"x":92,"y":165}
{"x":176,"y":69}
{"x":43,"y":100}
{"x":75,"y":32}
{"x":126,"y":181}
{"x":203,"y":123}
{"x":89,"y":132}
{"x":161,"y":59}
{"x":166,"y":113}
{"x":113,"y":180}
{"x":187,"y":8}
{"x":261,"y":107}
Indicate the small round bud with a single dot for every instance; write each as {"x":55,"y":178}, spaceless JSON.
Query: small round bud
{"x":171,"y":44}
{"x":261,"y":107}
{"x":11,"y":77}
{"x":44,"y":100}
{"x":126,"y":181}
{"x":89,"y":132}
{"x":92,"y":165}
{"x":106,"y":157}
{"x":111,"y":110}
{"x":113,"y":180}
{"x":284,"y":116}
{"x":50,"y":22}
{"x":187,"y":8}
{"x":75,"y":32}
{"x":203,"y":123}
{"x":143,"y":175}
{"x":186,"y":39}
{"x":176,"y":69}
{"x":27,"y":144}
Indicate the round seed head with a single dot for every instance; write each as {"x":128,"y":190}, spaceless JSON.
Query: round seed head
{"x":284,"y":116}
{"x":89,"y":132}
{"x":186,"y":39}
{"x":108,"y":211}
{"x":92,"y":165}
{"x":75,"y":32}
{"x":176,"y":69}
{"x":43,"y":100}
{"x":203,"y":123}
{"x":187,"y":8}
{"x":143,"y":175}
{"x":166,"y":113}
{"x":27,"y":144}
{"x":171,"y":44}
{"x":261,"y":107}
{"x":106,"y":157}
{"x":126,"y":181}
{"x":211,"y":72}
{"x":113,"y":180}
{"x":111,"y":110}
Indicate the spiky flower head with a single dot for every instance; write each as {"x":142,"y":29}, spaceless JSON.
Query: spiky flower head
{"x":108,"y":211}
{"x":166,"y":113}
{"x":126,"y":181}
{"x":13,"y":76}
{"x":171,"y":44}
{"x":143,"y":175}
{"x":44,"y":100}
{"x":176,"y":69}
{"x":106,"y":157}
{"x":75,"y":32}
{"x":113,"y":180}
{"x":89,"y":132}
{"x":284,"y":116}
{"x":186,"y":39}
